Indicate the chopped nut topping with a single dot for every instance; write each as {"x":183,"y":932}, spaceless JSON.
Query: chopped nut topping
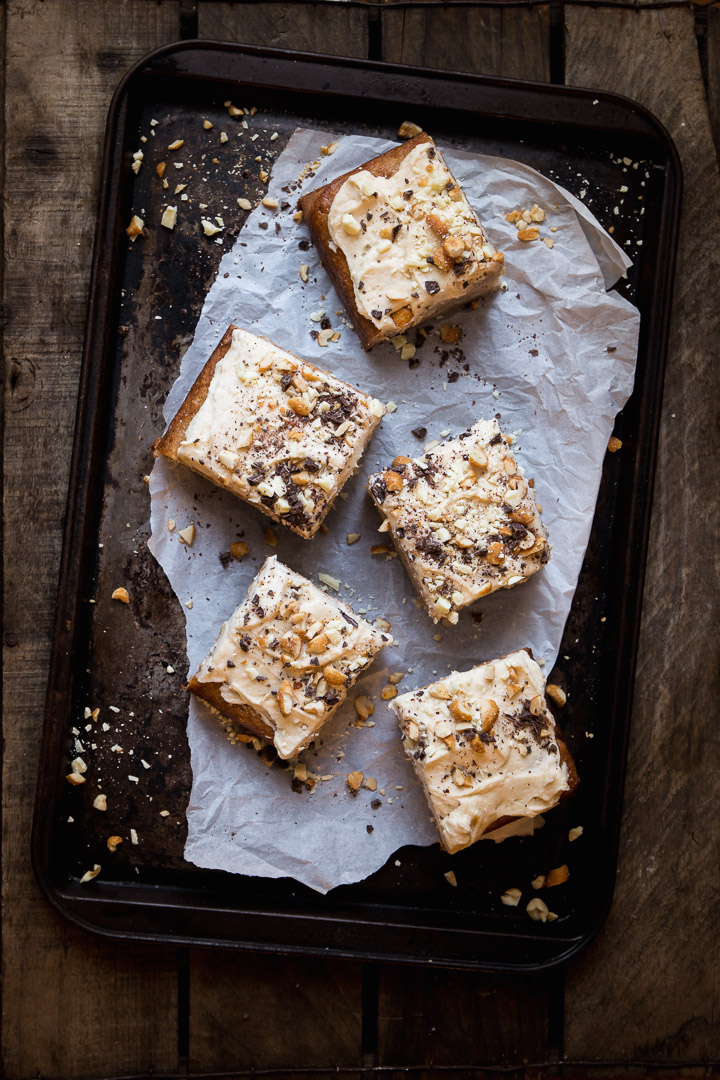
{"x":408,"y":130}
{"x":187,"y":535}
{"x":614,"y":444}
{"x":90,"y":874}
{"x":113,"y":842}
{"x":450,"y":878}
{"x":556,"y":694}
{"x":575,"y":833}
{"x":537,"y":909}
{"x":354,"y":780}
{"x":75,"y":778}
{"x":207,"y":125}
{"x":100,"y":802}
{"x":177,"y":144}
{"x":160,"y":169}
{"x":169,"y":218}
{"x":244,"y":204}
{"x":558,"y":876}
{"x":538,"y":882}
{"x":363,"y":706}
{"x":511,"y":897}
{"x":334,"y":676}
{"x":122,"y":595}
{"x":135,"y":227}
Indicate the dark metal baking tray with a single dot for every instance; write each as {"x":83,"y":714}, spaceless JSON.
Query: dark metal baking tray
{"x":595,"y":144}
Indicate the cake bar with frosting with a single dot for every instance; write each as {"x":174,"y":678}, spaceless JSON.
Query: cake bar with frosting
{"x":274,"y":430}
{"x":285,"y":659}
{"x":486,"y":748}
{"x":400,"y":240}
{"x":463,"y":519}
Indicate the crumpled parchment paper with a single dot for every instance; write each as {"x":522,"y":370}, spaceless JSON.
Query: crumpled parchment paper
{"x":536,"y":355}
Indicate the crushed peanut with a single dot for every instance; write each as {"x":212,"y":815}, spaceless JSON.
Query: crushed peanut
{"x":122,"y":595}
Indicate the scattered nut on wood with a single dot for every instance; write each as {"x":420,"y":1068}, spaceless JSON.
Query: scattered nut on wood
{"x":450,"y":878}
{"x":75,"y":778}
{"x":90,"y":874}
{"x":556,"y":694}
{"x":239,"y":550}
{"x":100,"y":802}
{"x":244,"y":204}
{"x":207,"y":125}
{"x":408,"y":130}
{"x":135,"y":227}
{"x":354,"y":780}
{"x":121,"y":594}
{"x":208,"y":228}
{"x":614,"y":444}
{"x":539,"y":882}
{"x":575,"y":833}
{"x":113,"y":842}
{"x":352,"y":538}
{"x":160,"y":169}
{"x":177,"y":144}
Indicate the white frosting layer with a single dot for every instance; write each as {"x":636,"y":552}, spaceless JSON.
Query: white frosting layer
{"x":463,"y":519}
{"x":412,"y":242}
{"x":483,"y":744}
{"x":291,"y":652}
{"x":278,"y":432}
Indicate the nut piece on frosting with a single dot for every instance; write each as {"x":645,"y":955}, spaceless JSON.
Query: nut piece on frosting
{"x":286,"y":659}
{"x":401,"y":241}
{"x":503,"y":763}
{"x":274,"y":430}
{"x":463,"y":519}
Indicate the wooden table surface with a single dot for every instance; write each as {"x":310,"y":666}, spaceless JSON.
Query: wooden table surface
{"x":646,"y":990}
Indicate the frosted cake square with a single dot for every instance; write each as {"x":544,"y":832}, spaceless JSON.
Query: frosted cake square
{"x":274,"y":430}
{"x":463,"y":519}
{"x":486,"y":748}
{"x":285,"y":659}
{"x":400,"y":240}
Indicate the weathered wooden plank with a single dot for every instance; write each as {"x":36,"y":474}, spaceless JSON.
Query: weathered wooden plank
{"x":491,"y":41}
{"x":273,"y":1012}
{"x":338,"y":30}
{"x":648,"y":986}
{"x":440,"y":1018}
{"x":71,"y":1005}
{"x":712,"y":45}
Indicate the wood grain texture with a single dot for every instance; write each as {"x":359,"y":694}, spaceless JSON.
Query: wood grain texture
{"x":514,"y":43}
{"x":439,"y":1018}
{"x":72,"y":1006}
{"x":648,"y":986}
{"x":712,"y":45}
{"x":273,"y":1012}
{"x":338,"y":30}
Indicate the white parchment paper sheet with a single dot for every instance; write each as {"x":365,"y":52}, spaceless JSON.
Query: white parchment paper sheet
{"x":536,"y":355}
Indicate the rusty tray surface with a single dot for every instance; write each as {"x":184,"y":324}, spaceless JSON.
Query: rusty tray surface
{"x":145,"y":301}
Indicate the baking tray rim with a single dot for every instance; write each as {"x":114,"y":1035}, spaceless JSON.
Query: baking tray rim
{"x":95,"y":338}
